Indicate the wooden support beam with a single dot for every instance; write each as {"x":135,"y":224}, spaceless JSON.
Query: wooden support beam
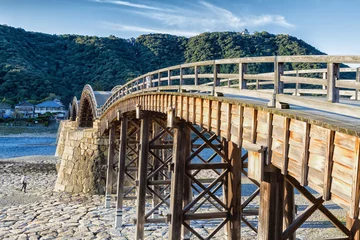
{"x":240,"y":130}
{"x":254,"y":125}
{"x":336,"y":222}
{"x":354,"y":226}
{"x":228,"y":120}
{"x":289,"y":232}
{"x":143,"y":160}
{"x":305,"y":156}
{"x":186,"y":151}
{"x":270,"y":117}
{"x":205,"y":215}
{"x":155,"y":164}
{"x":333,"y":73}
{"x":355,"y":191}
{"x":181,"y":142}
{"x":201,"y":112}
{"x":289,"y":208}
{"x":233,"y":227}
{"x":271,"y":206}
{"x":328,"y":164}
{"x":121,"y":172}
{"x":194,"y":166}
{"x":218,"y":116}
{"x":110,"y":162}
{"x":284,"y":169}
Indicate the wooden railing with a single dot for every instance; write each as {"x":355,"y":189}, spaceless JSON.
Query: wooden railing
{"x":187,"y":77}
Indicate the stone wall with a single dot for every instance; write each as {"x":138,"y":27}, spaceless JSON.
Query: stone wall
{"x":83,"y":154}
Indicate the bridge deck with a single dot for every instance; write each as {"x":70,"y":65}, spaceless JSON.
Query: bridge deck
{"x":342,"y":123}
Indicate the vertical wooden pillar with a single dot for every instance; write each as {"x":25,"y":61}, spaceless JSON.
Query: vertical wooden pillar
{"x":110,"y":162}
{"x":333,"y":72}
{"x":142,"y":174}
{"x":186,"y":151}
{"x":181,"y":78}
{"x":121,"y":173}
{"x":169,"y":77}
{"x":155,"y":200}
{"x":297,"y":85}
{"x":357,"y":80}
{"x":271,"y":205}
{"x":354,"y":226}
{"x":181,"y":142}
{"x":278,"y":71}
{"x":216,"y":79}
{"x":242,"y":71}
{"x":234,"y":191}
{"x":325,"y":78}
{"x":289,"y":207}
{"x":196,"y":72}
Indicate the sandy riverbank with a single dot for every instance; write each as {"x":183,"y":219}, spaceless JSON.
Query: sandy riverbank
{"x":43,"y":214}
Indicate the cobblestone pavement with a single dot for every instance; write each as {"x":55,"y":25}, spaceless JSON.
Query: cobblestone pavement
{"x":43,"y":214}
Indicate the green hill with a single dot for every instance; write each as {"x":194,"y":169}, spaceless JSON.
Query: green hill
{"x":33,"y":65}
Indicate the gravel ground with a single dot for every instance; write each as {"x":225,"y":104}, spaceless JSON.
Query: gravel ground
{"x":43,"y":214}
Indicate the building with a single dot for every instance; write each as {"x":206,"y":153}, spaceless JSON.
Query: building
{"x":52,"y":107}
{"x":5,"y":110}
{"x":25,"y":109}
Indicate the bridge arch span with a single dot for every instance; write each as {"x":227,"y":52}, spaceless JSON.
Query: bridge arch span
{"x":74,"y":109}
{"x":90,"y":102}
{"x":87,"y":107}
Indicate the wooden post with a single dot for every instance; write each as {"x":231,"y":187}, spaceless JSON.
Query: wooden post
{"x":278,"y":84}
{"x":159,"y":81}
{"x":216,"y":79}
{"x":271,"y":205}
{"x":278,"y":71}
{"x":142,"y":174}
{"x":151,"y":81}
{"x":169,"y":77}
{"x":181,"y":78}
{"x":289,"y":207}
{"x":186,"y":151}
{"x":155,"y":200}
{"x":196,"y":81}
{"x":354,"y":226}
{"x":121,"y":173}
{"x":357,"y":80}
{"x":242,"y":71}
{"x":109,"y":173}
{"x":333,"y":74}
{"x":298,"y":85}
{"x":181,"y":142}
{"x":325,"y":78}
{"x":234,"y":191}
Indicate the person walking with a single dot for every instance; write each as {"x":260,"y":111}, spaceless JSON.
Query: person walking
{"x":24,"y":181}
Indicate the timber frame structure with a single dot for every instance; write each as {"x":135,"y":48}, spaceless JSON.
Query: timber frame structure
{"x":166,"y":120}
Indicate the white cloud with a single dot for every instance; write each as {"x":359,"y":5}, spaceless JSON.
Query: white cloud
{"x":209,"y":17}
{"x":129,"y":28}
{"x":195,"y":18}
{"x":129,"y":4}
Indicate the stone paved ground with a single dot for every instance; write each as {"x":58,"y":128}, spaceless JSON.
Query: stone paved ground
{"x":43,"y":214}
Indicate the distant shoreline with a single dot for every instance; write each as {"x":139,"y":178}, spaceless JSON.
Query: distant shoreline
{"x":28,"y":131}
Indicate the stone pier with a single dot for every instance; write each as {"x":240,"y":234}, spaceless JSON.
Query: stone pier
{"x":83,"y":154}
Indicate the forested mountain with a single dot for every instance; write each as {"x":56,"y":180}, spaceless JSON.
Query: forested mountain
{"x":33,"y":65}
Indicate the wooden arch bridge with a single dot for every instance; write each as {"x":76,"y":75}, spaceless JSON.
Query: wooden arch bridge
{"x":269,"y":127}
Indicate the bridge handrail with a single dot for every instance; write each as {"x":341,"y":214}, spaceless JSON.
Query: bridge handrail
{"x":162,"y":79}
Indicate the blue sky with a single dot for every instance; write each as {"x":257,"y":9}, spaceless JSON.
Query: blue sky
{"x":329,"y":25}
